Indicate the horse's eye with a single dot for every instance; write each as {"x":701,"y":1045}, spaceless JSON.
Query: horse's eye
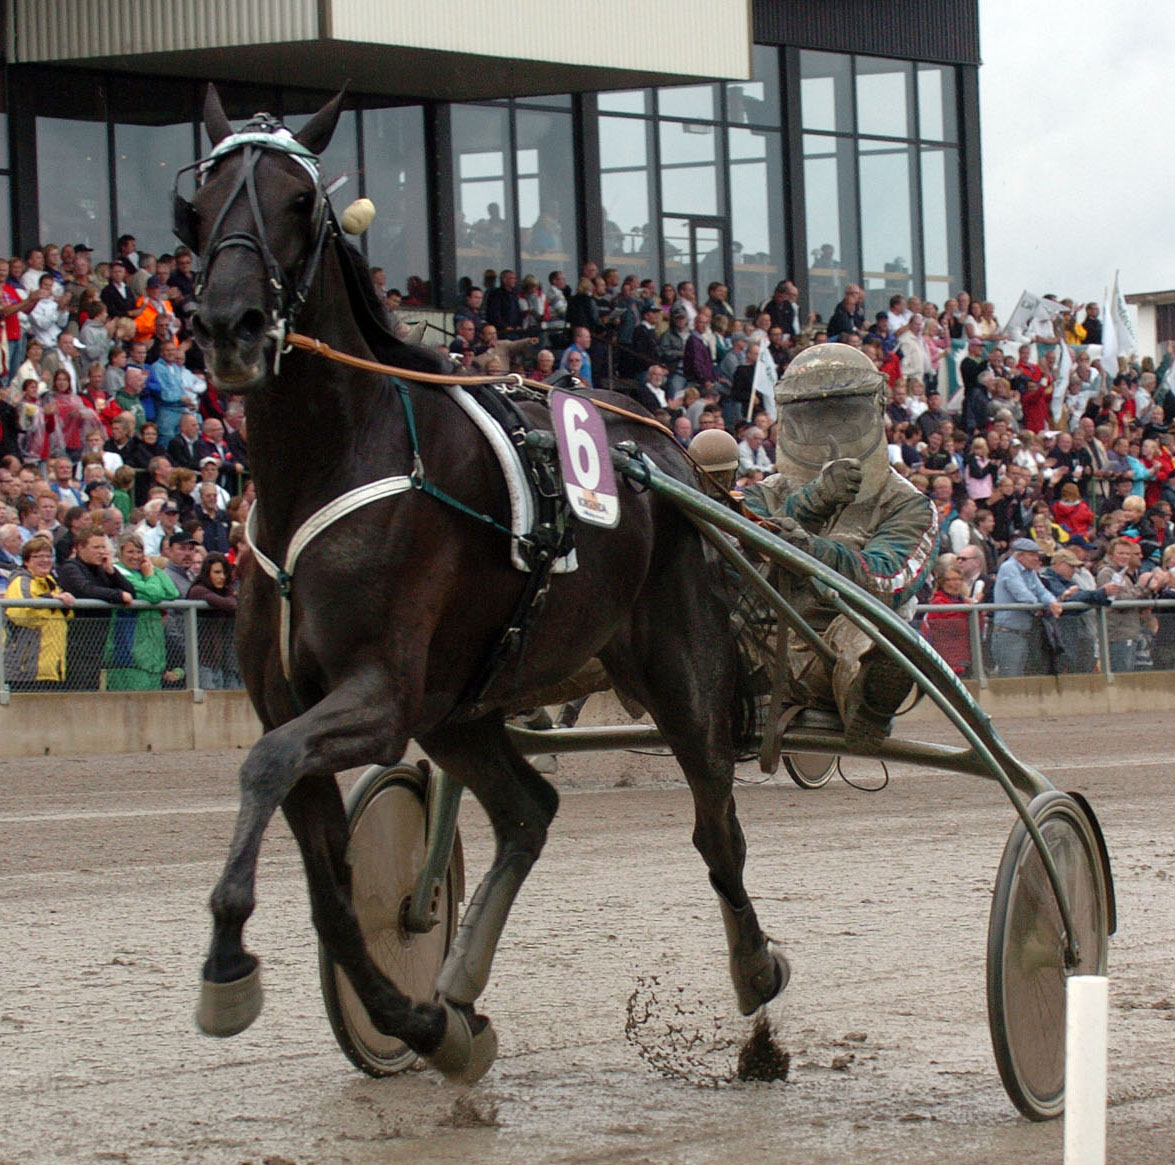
{"x":304,"y":202}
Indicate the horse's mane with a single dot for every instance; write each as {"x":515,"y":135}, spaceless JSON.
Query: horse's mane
{"x":371,"y":316}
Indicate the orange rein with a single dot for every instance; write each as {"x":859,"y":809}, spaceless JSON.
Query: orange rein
{"x":309,"y":344}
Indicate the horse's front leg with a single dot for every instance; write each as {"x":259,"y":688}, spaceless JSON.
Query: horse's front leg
{"x":356,"y":724}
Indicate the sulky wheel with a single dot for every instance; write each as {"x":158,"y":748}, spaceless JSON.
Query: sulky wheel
{"x":386,"y":812}
{"x":1026,"y":969}
{"x":809,"y":770}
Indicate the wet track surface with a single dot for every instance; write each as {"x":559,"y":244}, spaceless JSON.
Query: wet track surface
{"x":880,"y":901}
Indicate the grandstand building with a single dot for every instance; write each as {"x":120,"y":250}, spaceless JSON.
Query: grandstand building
{"x":827,"y":141}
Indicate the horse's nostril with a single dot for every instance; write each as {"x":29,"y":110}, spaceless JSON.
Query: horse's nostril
{"x":250,"y":326}
{"x":200,"y":330}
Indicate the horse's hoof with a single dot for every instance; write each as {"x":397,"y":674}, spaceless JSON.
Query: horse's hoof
{"x":756,"y":986}
{"x":462,"y":1057}
{"x":226,"y":1009}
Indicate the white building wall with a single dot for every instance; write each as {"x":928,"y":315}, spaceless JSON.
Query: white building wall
{"x":708,"y":38}
{"x":705,"y":38}
{"x":58,"y":30}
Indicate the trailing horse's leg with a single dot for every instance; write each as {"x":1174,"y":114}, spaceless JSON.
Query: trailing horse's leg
{"x":355,"y":724}
{"x":686,"y":678}
{"x":315,"y":812}
{"x":520,"y":805}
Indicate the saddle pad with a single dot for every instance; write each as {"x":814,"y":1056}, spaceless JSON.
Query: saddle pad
{"x":522,"y":508}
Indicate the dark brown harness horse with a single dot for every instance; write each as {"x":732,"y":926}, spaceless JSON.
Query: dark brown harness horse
{"x":394,"y":608}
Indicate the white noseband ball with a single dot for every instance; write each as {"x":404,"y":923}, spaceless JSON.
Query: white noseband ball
{"x":358,"y":216}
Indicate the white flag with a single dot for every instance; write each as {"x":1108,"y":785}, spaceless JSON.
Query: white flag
{"x":1061,"y":388}
{"x":763,"y":383}
{"x":1118,"y":335}
{"x":1123,"y":325}
{"x":1022,"y":314}
{"x":1110,"y":340}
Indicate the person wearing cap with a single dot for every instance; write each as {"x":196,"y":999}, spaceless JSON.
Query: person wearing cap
{"x":835,"y":496}
{"x":210,"y":468}
{"x":154,"y":303}
{"x":644,"y":349}
{"x":1076,"y":630}
{"x":1013,"y":636}
{"x":177,"y":560}
{"x":99,"y":494}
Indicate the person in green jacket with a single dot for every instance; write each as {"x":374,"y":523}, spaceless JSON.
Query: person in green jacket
{"x":136,"y":656}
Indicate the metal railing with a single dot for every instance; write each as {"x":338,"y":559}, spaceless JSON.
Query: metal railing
{"x":98,"y":648}
{"x":976,"y":621}
{"x":90,"y":648}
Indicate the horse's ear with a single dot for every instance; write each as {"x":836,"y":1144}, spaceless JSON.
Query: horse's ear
{"x":315,"y":135}
{"x":215,"y":121}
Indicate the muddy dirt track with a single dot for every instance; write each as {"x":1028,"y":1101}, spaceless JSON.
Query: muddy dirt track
{"x":881,"y":902}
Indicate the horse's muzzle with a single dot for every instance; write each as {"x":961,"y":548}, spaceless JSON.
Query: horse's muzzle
{"x":235,"y":346}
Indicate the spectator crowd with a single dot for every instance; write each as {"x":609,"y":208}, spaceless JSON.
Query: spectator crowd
{"x":124,"y":472}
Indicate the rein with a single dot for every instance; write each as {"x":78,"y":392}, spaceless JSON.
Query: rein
{"x":318,"y":348}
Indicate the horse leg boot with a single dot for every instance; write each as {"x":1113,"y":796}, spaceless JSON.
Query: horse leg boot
{"x":520,"y":806}
{"x":758,"y":969}
{"x":470,"y":1044}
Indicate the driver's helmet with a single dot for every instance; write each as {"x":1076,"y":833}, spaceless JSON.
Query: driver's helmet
{"x":829,"y":405}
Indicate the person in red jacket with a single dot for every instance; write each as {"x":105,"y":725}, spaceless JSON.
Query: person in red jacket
{"x":1071,"y":512}
{"x":948,"y":631}
{"x":1157,"y":457}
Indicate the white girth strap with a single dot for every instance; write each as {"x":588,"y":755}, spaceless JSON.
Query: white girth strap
{"x":343,"y":505}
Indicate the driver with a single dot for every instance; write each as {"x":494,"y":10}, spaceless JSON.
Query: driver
{"x":836,"y":497}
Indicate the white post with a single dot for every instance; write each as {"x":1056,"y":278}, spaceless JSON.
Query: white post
{"x":1086,"y":1014}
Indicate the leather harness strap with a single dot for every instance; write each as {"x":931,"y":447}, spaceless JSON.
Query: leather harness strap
{"x":309,"y":344}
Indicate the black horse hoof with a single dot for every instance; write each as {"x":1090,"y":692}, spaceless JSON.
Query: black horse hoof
{"x":462,"y":1057}
{"x":226,"y":1009}
{"x":757,"y":985}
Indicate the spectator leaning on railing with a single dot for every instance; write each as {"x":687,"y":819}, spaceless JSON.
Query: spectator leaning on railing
{"x":34,"y":649}
{"x":1013,"y":631}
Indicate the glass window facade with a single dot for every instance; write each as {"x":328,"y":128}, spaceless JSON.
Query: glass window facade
{"x":882,"y":204}
{"x":73,"y":188}
{"x":394,"y":169}
{"x":691,"y":181}
{"x":514,"y":197}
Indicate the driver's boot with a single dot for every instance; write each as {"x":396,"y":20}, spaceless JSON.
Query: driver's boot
{"x":871,"y":697}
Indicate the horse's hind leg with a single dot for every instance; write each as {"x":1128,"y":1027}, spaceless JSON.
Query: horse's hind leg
{"x":520,"y":805}
{"x":686,"y":679}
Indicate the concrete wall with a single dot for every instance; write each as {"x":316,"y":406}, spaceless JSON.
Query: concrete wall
{"x":111,"y":722}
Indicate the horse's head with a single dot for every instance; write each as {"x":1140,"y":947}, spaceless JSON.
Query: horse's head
{"x":260,"y":220}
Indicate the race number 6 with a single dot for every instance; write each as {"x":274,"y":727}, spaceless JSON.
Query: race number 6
{"x":588,"y":480}
{"x":585,"y":457}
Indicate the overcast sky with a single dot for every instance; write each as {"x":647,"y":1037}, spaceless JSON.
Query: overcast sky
{"x":1078,"y":160}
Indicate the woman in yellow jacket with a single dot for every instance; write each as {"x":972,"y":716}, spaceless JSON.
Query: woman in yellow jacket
{"x":34,"y":639}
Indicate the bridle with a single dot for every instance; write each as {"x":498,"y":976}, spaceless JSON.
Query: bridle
{"x":286,"y":295}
